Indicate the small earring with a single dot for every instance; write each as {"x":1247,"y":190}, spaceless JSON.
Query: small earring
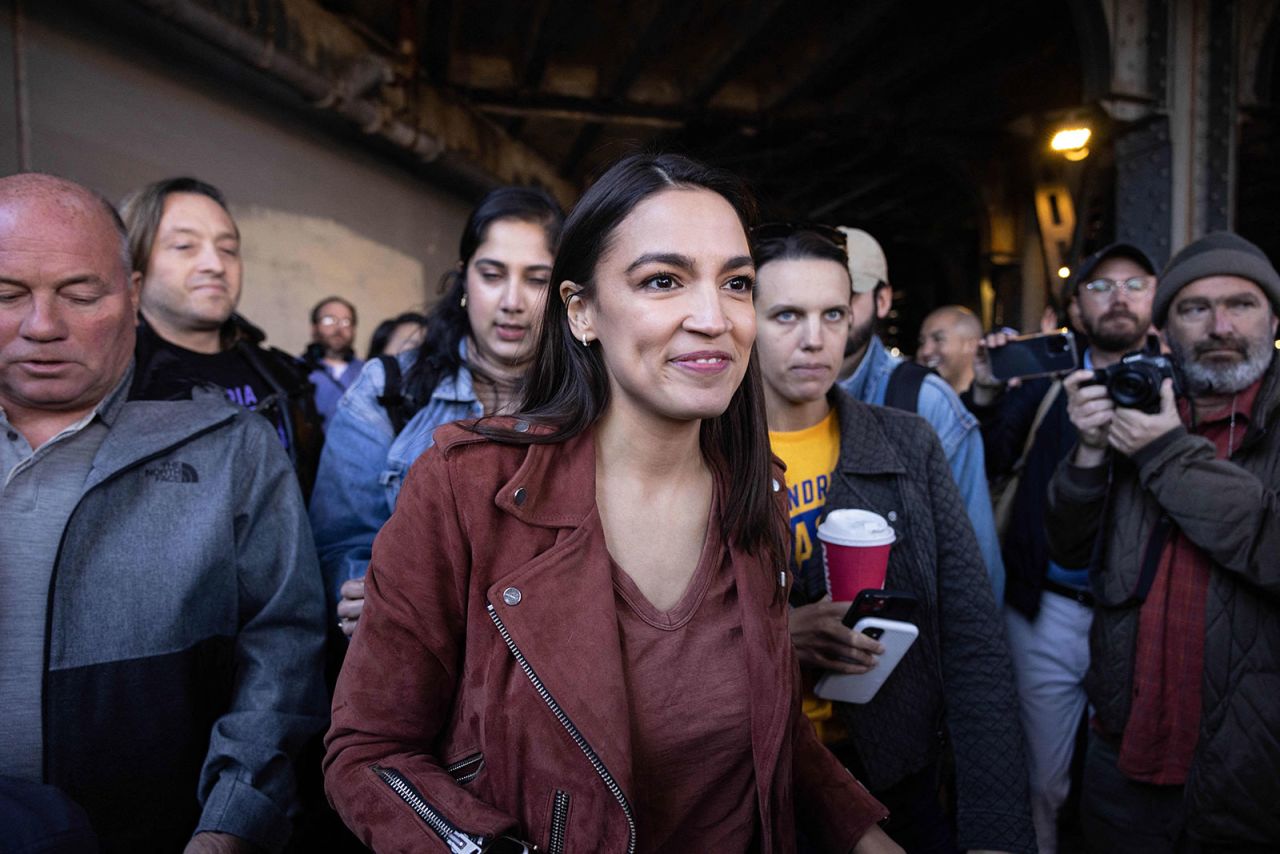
{"x":463,"y":301}
{"x":585,"y":342}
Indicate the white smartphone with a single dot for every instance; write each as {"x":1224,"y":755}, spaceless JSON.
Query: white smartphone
{"x":896,"y":636}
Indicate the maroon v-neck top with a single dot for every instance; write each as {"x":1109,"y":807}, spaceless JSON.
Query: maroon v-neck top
{"x":690,"y":711}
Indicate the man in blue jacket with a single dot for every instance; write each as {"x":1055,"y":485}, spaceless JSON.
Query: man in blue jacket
{"x":871,"y":373}
{"x":161,"y":640}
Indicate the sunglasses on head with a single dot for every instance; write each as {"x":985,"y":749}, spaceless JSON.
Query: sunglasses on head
{"x":783,"y":230}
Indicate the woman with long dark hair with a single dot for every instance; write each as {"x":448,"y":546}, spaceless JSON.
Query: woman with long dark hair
{"x":479,"y":340}
{"x":575,"y":635}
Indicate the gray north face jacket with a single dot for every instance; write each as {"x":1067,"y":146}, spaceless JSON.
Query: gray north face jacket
{"x":1231,"y":510}
{"x":186,"y":625}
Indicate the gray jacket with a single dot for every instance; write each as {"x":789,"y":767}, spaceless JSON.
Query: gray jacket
{"x":184,"y":652}
{"x":957,"y":679}
{"x":1231,"y":510}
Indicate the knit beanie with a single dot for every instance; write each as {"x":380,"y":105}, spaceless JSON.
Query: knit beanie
{"x":1221,"y":253}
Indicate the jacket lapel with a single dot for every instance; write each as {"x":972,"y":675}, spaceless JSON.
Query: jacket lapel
{"x":564,"y":620}
{"x":769,"y":672}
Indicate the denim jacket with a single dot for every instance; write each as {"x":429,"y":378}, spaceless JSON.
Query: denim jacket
{"x":961,"y":439}
{"x":364,"y":462}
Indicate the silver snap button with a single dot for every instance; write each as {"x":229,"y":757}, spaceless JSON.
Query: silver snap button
{"x":522,"y":426}
{"x":520,"y":496}
{"x":774,"y":483}
{"x":893,"y":515}
{"x":511,"y":595}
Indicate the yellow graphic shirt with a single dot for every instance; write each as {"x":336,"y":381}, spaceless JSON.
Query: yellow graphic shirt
{"x":811,"y":455}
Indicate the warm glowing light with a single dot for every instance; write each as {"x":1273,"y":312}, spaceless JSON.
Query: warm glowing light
{"x":1076,"y":154}
{"x":1070,"y":139}
{"x":1063,"y":272}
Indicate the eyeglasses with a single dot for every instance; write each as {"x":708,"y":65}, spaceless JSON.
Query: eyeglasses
{"x":1102,"y":287}
{"x":783,"y":230}
{"x":329,"y":320}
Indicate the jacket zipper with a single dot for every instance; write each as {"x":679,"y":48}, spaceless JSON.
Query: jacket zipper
{"x":570,"y":727}
{"x":458,"y":842}
{"x":559,"y":819}
{"x":476,"y":759}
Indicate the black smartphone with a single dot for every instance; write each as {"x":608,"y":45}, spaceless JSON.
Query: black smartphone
{"x":1035,"y":356}
{"x":886,"y":604}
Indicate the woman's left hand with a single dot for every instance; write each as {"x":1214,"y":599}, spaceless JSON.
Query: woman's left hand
{"x":351,"y":606}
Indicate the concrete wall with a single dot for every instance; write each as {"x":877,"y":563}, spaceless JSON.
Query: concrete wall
{"x":319,"y":215}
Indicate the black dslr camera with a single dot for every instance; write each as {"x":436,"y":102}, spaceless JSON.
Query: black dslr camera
{"x":1134,"y":381}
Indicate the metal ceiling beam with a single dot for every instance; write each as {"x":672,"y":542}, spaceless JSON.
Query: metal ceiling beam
{"x":946,"y":45}
{"x":736,"y":50}
{"x":315,"y":54}
{"x":438,"y":42}
{"x":860,"y":20}
{"x":567,"y":107}
{"x":664,"y":19}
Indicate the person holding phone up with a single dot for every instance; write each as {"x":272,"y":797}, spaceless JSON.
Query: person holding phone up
{"x":955,"y":683}
{"x":1028,"y":432}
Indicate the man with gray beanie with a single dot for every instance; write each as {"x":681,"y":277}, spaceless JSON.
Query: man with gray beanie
{"x":1175,"y":508}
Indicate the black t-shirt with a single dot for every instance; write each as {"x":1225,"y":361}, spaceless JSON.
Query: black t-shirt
{"x":166,"y":371}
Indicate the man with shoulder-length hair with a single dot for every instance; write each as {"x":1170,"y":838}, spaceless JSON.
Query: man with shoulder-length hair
{"x":185,"y":250}
{"x":1173,"y":500}
{"x":164,"y":619}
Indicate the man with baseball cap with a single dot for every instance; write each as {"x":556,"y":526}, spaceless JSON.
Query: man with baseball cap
{"x":1027,"y":432}
{"x":1176,"y":512}
{"x":872,"y":375}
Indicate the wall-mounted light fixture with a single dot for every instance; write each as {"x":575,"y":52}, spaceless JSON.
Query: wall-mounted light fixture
{"x":1072,"y":142}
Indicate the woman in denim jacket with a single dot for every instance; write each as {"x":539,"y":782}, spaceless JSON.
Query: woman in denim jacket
{"x":478,"y":343}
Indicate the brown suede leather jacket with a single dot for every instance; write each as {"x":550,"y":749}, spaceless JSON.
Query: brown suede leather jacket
{"x":483,"y":694}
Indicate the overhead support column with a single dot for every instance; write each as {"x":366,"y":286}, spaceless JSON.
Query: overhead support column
{"x":1203,"y":117}
{"x":1174,"y":91}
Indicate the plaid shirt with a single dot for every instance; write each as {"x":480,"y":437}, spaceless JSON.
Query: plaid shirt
{"x":1164,"y":721}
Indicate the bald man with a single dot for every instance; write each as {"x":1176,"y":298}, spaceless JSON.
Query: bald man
{"x":948,"y":344}
{"x":163,"y":623}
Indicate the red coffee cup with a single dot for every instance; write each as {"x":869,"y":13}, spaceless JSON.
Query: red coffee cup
{"x":855,"y":551}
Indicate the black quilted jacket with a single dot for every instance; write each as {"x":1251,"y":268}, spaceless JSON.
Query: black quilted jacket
{"x":1231,"y":510}
{"x":957,"y":679}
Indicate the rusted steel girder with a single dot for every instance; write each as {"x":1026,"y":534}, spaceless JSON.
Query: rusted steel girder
{"x":315,"y":53}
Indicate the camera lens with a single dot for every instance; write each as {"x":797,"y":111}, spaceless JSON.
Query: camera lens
{"x":1131,"y":388}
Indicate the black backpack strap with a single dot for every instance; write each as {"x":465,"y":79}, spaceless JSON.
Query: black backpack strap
{"x":903,"y":391}
{"x":392,"y":399}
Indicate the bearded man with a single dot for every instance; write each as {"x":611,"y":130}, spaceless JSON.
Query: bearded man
{"x":1177,"y":513}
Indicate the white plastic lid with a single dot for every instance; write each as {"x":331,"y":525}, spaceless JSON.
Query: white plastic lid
{"x":856,"y":528}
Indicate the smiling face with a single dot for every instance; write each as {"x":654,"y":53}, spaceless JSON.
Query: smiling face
{"x":948,"y":343}
{"x":506,"y":282}
{"x":67,"y":307}
{"x":192,"y":281}
{"x":802,"y":324}
{"x":671,"y":310}
{"x":1221,"y":330}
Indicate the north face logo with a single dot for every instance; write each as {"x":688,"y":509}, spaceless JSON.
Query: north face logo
{"x":172,"y":473}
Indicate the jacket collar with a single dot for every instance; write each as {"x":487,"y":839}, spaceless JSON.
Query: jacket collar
{"x":143,"y":429}
{"x":865,"y":379}
{"x":1267,"y":403}
{"x":555,"y":486}
{"x":865,"y":448}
